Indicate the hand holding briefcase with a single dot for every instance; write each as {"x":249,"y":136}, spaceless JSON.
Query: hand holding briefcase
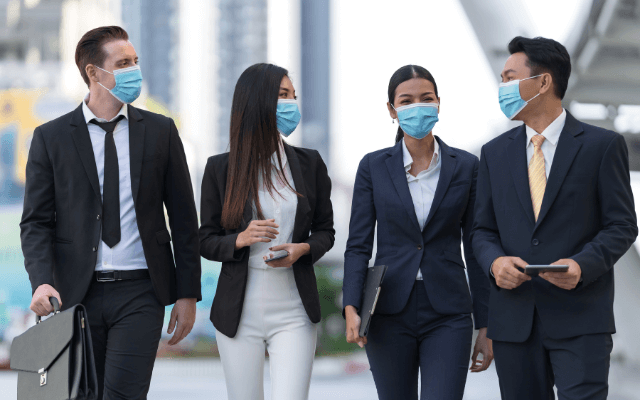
{"x":54,"y":358}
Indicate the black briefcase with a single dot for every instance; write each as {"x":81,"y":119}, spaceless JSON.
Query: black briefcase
{"x":54,"y":358}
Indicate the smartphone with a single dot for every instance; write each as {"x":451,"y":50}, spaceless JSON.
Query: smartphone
{"x":280,"y":257}
{"x":533,"y":270}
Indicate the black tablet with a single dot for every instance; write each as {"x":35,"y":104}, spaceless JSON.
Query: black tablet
{"x":534,"y":270}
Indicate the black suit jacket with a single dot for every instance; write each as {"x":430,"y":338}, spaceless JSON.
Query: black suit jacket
{"x":60,"y":227}
{"x":587,"y":214}
{"x":381,"y":197}
{"x":314,"y":214}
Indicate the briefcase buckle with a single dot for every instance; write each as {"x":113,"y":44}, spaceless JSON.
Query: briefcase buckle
{"x":107,"y":276}
{"x":43,"y":377}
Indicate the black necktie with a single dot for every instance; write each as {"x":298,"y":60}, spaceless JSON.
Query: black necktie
{"x":110,"y":186}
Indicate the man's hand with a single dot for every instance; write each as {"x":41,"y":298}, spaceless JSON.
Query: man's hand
{"x":183,"y":315}
{"x":564,"y":280}
{"x":257,"y":231}
{"x":483,"y":346}
{"x":353,"y":326}
{"x":506,"y":274}
{"x":295,"y":250}
{"x":40,"y":303}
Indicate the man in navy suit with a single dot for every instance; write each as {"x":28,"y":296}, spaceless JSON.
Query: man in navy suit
{"x":551,"y":191}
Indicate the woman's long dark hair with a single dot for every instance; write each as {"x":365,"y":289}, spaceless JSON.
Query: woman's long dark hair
{"x":402,"y":75}
{"x":253,"y":138}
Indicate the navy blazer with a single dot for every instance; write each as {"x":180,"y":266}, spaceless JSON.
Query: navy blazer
{"x":587,"y":214}
{"x":381,"y":195}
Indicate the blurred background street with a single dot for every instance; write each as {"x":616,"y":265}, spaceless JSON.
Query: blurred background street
{"x":340,"y":55}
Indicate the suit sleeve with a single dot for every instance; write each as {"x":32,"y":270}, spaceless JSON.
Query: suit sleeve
{"x":322,"y":232}
{"x":183,"y":219}
{"x":215,"y":243}
{"x":617,"y":213}
{"x":361,"y":232}
{"x":37,"y":227}
{"x":478,"y":281}
{"x":485,"y":239}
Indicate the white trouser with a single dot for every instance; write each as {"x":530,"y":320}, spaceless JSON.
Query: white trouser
{"x":274,"y":318}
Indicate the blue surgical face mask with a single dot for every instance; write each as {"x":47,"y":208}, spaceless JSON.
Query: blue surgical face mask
{"x":511,"y":102}
{"x":287,"y":116}
{"x":128,"y":83}
{"x":417,"y":119}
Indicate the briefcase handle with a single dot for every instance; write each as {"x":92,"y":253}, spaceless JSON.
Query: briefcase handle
{"x":56,"y":308}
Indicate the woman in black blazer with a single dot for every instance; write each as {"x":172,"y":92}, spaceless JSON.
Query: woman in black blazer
{"x":266,"y":199}
{"x":419,"y":196}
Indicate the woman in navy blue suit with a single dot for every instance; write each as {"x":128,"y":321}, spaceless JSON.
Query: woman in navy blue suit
{"x":421,"y":194}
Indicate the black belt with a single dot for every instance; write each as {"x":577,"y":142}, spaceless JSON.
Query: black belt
{"x":111,"y":276}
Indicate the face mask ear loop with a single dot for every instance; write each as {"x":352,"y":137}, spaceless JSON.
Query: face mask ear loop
{"x":101,"y":83}
{"x":110,"y":92}
{"x":533,"y":98}
{"x":393,"y":119}
{"x":531,"y":77}
{"x":104,"y":70}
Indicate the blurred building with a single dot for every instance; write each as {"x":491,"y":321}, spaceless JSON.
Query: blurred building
{"x":29,"y":66}
{"x":153,"y":29}
{"x":315,"y":50}
{"x":242,"y":42}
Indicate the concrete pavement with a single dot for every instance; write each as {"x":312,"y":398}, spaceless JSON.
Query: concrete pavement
{"x":333,"y":378}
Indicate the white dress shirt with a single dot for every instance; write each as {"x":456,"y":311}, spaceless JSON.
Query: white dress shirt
{"x":551,"y":134}
{"x":281,"y":207}
{"x":128,"y":253}
{"x":549,"y":146}
{"x":423,"y":186}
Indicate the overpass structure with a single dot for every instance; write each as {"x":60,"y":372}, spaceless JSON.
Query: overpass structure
{"x":604,"y":90}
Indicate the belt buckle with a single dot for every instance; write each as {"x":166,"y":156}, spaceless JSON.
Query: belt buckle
{"x":106,"y":279}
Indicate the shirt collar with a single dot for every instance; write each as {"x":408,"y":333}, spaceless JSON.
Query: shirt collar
{"x":553,"y":131}
{"x":89,"y":115}
{"x":408,"y":160}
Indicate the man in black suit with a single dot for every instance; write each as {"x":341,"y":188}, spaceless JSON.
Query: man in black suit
{"x":552,"y":191}
{"x":93,"y":228}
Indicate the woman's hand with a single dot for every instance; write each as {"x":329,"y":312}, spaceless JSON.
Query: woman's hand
{"x":295,"y":250}
{"x":483,"y":346}
{"x":353,"y":326}
{"x":257,"y":231}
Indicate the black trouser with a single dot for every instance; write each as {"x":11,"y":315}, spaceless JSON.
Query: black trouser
{"x":578,"y":366}
{"x":126,"y":320}
{"x":420,"y":338}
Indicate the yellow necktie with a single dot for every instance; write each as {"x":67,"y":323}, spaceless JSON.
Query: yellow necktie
{"x":537,"y":174}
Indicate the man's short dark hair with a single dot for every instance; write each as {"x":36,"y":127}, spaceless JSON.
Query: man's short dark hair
{"x":90,"y":49}
{"x":545,"y":55}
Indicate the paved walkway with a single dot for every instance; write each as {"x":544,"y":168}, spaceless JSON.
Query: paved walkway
{"x":203,"y":380}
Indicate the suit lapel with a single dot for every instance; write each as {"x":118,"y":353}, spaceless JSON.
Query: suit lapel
{"x":82,"y":140}
{"x":136,"y":148}
{"x":517,"y":155}
{"x":447,"y":168}
{"x":395,"y":165}
{"x":303,"y":208}
{"x":566,"y":151}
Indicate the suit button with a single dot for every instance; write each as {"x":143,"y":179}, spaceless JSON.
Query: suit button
{"x":95,"y":249}
{"x":98,"y":217}
{"x":535,"y":242}
{"x":419,"y":247}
